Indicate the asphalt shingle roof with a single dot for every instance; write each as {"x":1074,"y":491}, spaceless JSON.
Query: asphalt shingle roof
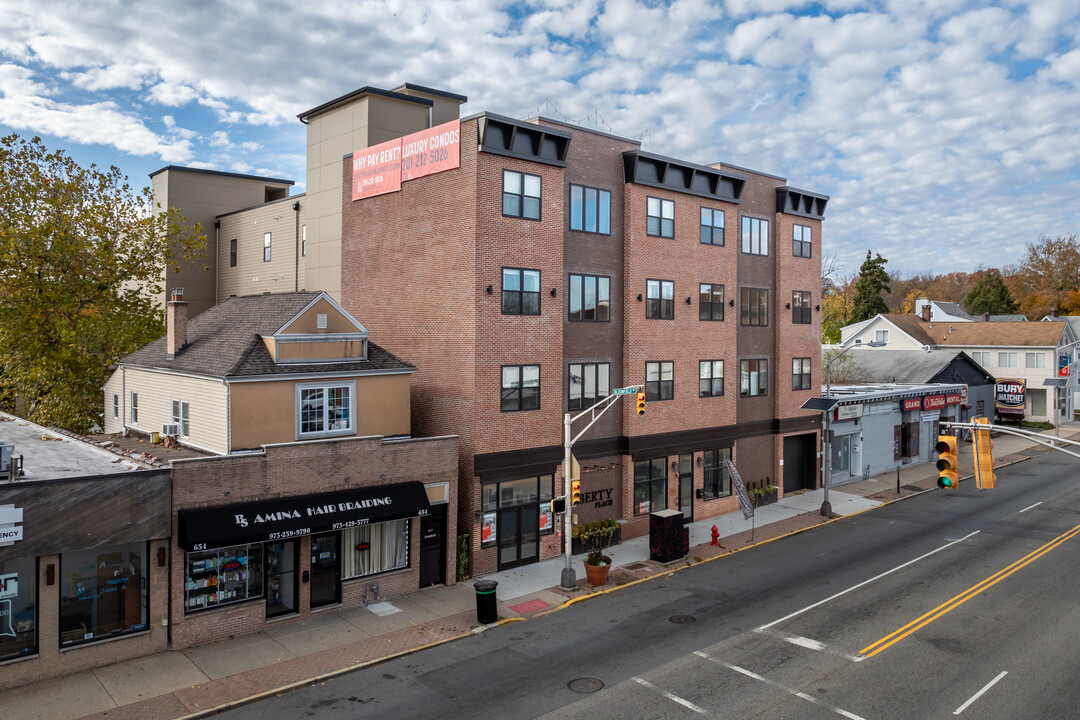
{"x":997,"y":334}
{"x":225,"y":341}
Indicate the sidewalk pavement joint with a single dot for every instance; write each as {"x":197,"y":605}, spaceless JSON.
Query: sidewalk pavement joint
{"x":290,"y":673}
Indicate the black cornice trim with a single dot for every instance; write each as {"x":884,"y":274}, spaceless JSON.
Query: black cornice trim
{"x":501,"y":135}
{"x":643,"y":168}
{"x":803,"y":203}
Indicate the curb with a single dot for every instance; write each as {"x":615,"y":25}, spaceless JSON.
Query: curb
{"x":570,"y":601}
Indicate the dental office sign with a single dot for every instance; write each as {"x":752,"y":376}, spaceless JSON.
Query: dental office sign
{"x":381,"y":168}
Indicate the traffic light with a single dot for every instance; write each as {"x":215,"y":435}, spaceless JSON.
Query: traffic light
{"x":984,"y":459}
{"x":641,"y":403}
{"x":575,"y":492}
{"x":947,"y":464}
{"x":558,"y":506}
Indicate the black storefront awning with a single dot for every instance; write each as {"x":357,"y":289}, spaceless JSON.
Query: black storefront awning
{"x":286,"y":518}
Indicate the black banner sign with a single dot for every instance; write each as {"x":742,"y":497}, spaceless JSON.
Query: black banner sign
{"x":293,"y":517}
{"x":740,"y":491}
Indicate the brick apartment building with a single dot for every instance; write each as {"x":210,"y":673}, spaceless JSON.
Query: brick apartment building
{"x":532,"y":267}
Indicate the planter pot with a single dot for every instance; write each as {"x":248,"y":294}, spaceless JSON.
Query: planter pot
{"x":597,"y":574}
{"x":576,"y":547}
{"x":768,"y":498}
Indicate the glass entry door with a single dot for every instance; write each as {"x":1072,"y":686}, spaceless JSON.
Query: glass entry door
{"x":519,"y":535}
{"x":280,"y":578}
{"x":686,"y":486}
{"x":325,"y":569}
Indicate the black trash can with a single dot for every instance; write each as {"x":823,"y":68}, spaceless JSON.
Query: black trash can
{"x":487,"y":610}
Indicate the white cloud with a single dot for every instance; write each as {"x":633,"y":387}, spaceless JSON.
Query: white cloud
{"x":172,"y":95}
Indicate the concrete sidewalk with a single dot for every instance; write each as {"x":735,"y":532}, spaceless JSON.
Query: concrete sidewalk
{"x":197,"y":681}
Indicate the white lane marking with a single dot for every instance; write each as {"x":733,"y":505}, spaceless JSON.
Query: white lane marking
{"x":669,"y":696}
{"x":865,"y":582}
{"x":977,"y":695}
{"x":1031,"y":506}
{"x":791,"y":691}
{"x":811,"y":644}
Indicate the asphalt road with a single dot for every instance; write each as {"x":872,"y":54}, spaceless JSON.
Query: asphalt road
{"x":949,"y":604}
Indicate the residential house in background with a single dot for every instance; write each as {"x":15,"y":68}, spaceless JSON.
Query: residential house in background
{"x":260,"y":369}
{"x":1028,"y":352}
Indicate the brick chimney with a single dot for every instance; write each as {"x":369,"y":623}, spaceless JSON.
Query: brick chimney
{"x":1054,"y":311}
{"x":926,"y":312}
{"x":176,"y":323}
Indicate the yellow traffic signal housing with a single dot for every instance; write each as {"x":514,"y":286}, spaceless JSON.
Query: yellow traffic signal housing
{"x":641,"y":403}
{"x":984,"y":458}
{"x":948,"y":466}
{"x":575,"y":492}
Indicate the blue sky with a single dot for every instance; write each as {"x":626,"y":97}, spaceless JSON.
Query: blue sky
{"x":946,"y":132}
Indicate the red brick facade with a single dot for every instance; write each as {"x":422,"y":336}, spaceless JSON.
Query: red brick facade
{"x":306,"y":469}
{"x":423,"y":268}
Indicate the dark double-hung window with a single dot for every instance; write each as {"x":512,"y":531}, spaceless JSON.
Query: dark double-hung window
{"x":520,"y":291}
{"x":590,"y":298}
{"x":800,"y":373}
{"x":712,"y":226}
{"x":754,"y":308}
{"x":520,"y":388}
{"x":589,"y":382}
{"x":521,"y":195}
{"x":660,"y":217}
{"x":802,"y":241}
{"x":659,"y":299}
{"x":590,"y":210}
{"x":710,"y":378}
{"x":800,"y":307}
{"x":659,"y":380}
{"x":710,"y":301}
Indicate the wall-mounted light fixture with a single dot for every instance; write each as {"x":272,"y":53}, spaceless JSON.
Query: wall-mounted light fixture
{"x":787,"y":306}
{"x":731,"y":302}
{"x":161,"y":556}
{"x":296,"y":206}
{"x":700,"y":461}
{"x":488,"y":290}
{"x":639,"y":297}
{"x":552,"y":292}
{"x":687,"y":301}
{"x":50,"y":574}
{"x":818,"y":308}
{"x":674,"y":464}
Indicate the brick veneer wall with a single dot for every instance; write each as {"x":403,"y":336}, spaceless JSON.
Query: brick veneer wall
{"x":309,"y":468}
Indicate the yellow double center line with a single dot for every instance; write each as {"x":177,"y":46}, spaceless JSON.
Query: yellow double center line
{"x":953,"y":603}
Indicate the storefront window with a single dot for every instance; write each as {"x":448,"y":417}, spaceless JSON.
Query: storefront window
{"x":717,"y":479}
{"x":841,"y":454}
{"x":372,"y":549}
{"x":220,"y":577}
{"x":650,"y":485}
{"x":511,"y":493}
{"x":103,"y":593}
{"x":18,"y":608}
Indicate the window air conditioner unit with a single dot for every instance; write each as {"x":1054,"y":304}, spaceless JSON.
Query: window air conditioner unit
{"x":170,"y":429}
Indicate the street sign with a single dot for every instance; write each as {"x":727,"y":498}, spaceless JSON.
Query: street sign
{"x":624,"y":391}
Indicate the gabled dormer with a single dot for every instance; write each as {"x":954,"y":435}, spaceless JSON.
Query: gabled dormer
{"x":322,"y":332}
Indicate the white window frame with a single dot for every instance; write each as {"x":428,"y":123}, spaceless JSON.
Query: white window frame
{"x":116,"y":405}
{"x":134,"y":408}
{"x":303,"y":241}
{"x":181,"y":417}
{"x":980,"y":355}
{"x":881,"y":336}
{"x":326,"y":387}
{"x":266,"y":246}
{"x":1009,"y":359}
{"x":1032,"y":360}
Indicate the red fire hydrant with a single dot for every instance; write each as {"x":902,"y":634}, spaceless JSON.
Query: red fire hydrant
{"x":715,"y":535}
